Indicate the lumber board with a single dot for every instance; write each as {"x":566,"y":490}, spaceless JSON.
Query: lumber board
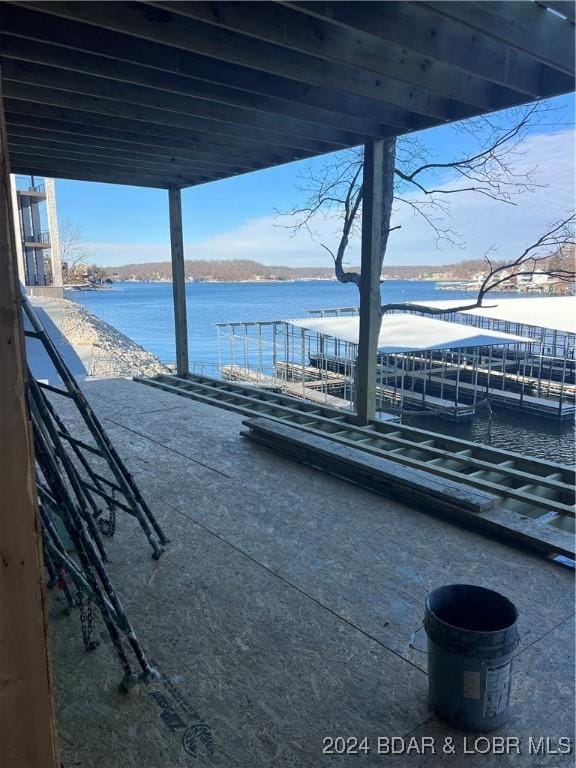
{"x":411,"y":438}
{"x":27,"y":728}
{"x":209,"y":76}
{"x":192,"y":36}
{"x":353,"y":462}
{"x":455,"y":501}
{"x":443,"y":39}
{"x":286,"y":27}
{"x":22,"y":123}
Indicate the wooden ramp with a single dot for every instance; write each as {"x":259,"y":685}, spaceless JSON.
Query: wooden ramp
{"x":427,"y":492}
{"x":313,"y":393}
{"x":250,"y":376}
{"x":312,"y":388}
{"x":290,"y":372}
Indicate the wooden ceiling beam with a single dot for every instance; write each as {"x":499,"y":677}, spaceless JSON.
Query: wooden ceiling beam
{"x":107,"y":148}
{"x":118,"y":47}
{"x":116,"y":166}
{"x":56,"y":122}
{"x":61,"y":79}
{"x":162,"y":26}
{"x":103,"y":157}
{"x":524,"y":26}
{"x":82,"y":172}
{"x":33,"y":94}
{"x":81,"y":108}
{"x":32,"y":74}
{"x":178,"y":72}
{"x":443,"y":38}
{"x":281,"y":25}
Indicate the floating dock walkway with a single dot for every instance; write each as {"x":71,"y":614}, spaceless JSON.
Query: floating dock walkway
{"x":310,"y":389}
{"x":392,"y":396}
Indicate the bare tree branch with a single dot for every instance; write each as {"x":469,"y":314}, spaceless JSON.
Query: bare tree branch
{"x":73,"y":244}
{"x":333,"y":189}
{"x":544,"y":249}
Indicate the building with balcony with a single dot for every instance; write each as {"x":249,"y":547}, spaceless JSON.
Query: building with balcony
{"x":37,"y":239}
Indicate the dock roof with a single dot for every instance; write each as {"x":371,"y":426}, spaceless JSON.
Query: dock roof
{"x":176,"y":94}
{"x":558,"y":313}
{"x":410,"y":333}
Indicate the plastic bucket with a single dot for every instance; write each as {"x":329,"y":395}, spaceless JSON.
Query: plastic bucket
{"x":472,"y":635}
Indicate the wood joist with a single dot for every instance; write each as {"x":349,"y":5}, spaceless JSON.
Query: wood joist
{"x":180,"y":93}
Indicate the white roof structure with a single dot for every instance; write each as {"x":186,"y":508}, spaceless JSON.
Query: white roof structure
{"x":558,"y":313}
{"x":410,"y":333}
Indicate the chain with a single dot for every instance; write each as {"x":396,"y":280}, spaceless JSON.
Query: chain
{"x":108,"y":527}
{"x":112,"y":522}
{"x":86,"y":620}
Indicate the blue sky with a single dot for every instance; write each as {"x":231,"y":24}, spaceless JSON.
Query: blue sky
{"x":235,"y":218}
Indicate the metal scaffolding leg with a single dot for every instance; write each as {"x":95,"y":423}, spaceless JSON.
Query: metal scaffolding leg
{"x":122,"y":492}
{"x":90,"y":572}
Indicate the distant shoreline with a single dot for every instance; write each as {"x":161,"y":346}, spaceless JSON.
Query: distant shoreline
{"x":266,"y":281}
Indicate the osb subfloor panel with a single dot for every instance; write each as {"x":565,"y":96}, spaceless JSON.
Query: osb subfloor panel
{"x":287,"y":608}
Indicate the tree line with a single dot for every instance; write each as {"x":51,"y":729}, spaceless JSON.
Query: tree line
{"x":244,"y":269}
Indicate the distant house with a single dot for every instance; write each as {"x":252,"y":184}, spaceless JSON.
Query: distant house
{"x":536,"y":281}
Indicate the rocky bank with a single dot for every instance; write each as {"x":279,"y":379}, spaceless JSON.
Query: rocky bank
{"x":113,"y":354}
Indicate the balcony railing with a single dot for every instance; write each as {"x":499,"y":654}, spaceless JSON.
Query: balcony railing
{"x":37,"y":240}
{"x":29,"y":184}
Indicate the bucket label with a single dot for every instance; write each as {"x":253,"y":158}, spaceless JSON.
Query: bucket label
{"x":497,"y":689}
{"x":471,"y":685}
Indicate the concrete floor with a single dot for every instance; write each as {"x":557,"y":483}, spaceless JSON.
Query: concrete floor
{"x":284,"y":611}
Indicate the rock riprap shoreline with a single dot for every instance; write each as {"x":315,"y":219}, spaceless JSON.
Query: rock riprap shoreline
{"x":113,"y":354}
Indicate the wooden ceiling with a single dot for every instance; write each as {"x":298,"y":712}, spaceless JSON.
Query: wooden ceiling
{"x":168,"y":94}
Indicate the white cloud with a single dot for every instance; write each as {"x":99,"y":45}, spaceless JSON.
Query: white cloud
{"x":484,"y":222}
{"x":262,"y":240}
{"x":481,"y":221}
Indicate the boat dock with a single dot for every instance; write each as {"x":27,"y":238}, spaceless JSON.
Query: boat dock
{"x":423,"y":364}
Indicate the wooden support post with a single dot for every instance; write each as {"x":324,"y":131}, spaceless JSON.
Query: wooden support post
{"x":178,"y":281}
{"x":370,"y":300}
{"x":377,"y":194}
{"x":27,"y":731}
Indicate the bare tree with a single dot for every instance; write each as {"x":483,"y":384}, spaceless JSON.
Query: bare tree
{"x":545,"y":252}
{"x":489,"y":169}
{"x":73,"y":243}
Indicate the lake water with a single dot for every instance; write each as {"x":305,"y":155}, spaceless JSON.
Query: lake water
{"x":143,"y":311}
